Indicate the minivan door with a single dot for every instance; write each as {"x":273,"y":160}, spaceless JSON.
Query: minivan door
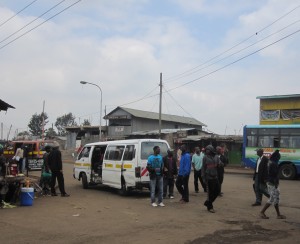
{"x":128,"y":165}
{"x":112,"y":165}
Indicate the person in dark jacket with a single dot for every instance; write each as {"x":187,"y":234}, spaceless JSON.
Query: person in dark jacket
{"x":272,"y":183}
{"x":260,"y":177}
{"x":55,"y":165}
{"x":275,"y":157}
{"x":210,"y":165}
{"x":221,"y":171}
{"x":170,"y":171}
{"x":182,"y":182}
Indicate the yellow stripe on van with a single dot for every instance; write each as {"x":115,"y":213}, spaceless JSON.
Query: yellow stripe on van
{"x":82,"y":164}
{"x":127,"y":166}
{"x":118,"y":166}
{"x":108,"y":165}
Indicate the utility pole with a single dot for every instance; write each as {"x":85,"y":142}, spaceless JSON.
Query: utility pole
{"x":43,"y":125}
{"x":160,"y":98}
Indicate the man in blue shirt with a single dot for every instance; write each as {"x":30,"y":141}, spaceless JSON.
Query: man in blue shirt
{"x":182,"y":182}
{"x":155,"y":168}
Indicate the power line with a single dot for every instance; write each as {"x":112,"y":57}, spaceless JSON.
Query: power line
{"x":216,"y":70}
{"x":40,"y":24}
{"x":181,"y":75}
{"x":178,"y":104}
{"x":246,"y":56}
{"x":17,"y":13}
{"x":32,"y":21}
{"x":243,"y":49}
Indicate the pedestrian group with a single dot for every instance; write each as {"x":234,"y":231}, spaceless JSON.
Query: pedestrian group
{"x":208,"y":166}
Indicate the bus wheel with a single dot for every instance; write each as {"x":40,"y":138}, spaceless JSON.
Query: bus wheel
{"x":287,"y":172}
{"x":85,"y":184}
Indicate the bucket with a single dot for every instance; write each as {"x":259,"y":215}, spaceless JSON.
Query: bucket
{"x":27,"y":196}
{"x":13,"y":168}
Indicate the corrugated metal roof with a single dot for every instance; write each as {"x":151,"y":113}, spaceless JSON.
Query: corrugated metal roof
{"x":163,"y":131}
{"x":165,"y":117}
{"x":279,"y":96}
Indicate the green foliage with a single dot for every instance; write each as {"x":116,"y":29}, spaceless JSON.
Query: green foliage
{"x":86,"y":122}
{"x":64,"y":121}
{"x":24,"y":133}
{"x":36,"y":124}
{"x":51,"y":133}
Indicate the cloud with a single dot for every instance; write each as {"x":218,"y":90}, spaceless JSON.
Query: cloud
{"x":123,"y":47}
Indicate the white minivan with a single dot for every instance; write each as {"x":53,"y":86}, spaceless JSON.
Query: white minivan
{"x":118,"y":164}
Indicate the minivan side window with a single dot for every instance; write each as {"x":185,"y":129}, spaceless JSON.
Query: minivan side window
{"x":129,"y":153}
{"x":114,"y":153}
{"x":85,"y":152}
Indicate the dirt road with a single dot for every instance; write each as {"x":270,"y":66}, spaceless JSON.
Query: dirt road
{"x":100,"y":215}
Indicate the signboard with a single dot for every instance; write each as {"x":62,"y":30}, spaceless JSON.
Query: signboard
{"x":116,"y":117}
{"x":35,"y":163}
{"x":119,"y":129}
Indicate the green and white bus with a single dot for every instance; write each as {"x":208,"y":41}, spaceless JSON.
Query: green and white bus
{"x":286,"y":138}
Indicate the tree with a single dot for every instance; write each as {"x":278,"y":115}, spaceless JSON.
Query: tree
{"x":51,"y":133}
{"x":36,"y":124}
{"x":63,"y":122}
{"x":24,"y":133}
{"x":86,"y":122}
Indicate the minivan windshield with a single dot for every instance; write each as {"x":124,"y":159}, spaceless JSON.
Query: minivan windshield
{"x":147,"y":149}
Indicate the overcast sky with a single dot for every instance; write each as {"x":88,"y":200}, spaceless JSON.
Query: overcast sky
{"x":215,"y":56}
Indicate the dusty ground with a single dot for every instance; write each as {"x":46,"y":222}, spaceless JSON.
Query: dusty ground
{"x":100,"y":215}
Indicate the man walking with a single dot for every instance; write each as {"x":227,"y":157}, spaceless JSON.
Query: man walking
{"x":155,"y":168}
{"x":260,"y":177}
{"x":197,"y":165}
{"x":211,"y":162}
{"x":182,"y":182}
{"x":55,"y":165}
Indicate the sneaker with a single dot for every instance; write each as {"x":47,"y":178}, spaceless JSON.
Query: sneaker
{"x":161,"y":204}
{"x":154,"y":204}
{"x":171,"y":197}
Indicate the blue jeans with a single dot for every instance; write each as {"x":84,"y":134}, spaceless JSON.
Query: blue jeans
{"x":157,"y":182}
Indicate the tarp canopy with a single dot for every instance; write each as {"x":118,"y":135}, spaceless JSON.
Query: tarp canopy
{"x":4,"y":106}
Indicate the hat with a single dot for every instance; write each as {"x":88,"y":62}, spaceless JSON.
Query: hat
{"x":210,"y":148}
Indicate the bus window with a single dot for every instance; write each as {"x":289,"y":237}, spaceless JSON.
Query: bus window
{"x":267,"y":141}
{"x":295,"y":141}
{"x":251,"y":141}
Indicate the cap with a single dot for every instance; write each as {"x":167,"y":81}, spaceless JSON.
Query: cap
{"x":210,"y":148}
{"x":259,"y":149}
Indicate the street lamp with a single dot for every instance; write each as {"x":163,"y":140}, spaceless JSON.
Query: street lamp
{"x":84,"y":83}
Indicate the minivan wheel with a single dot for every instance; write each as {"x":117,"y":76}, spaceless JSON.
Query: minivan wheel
{"x":85,"y":184}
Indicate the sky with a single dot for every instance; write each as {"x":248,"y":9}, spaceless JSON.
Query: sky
{"x":215,"y":57}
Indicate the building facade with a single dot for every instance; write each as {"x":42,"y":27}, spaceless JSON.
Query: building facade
{"x":279,"y":109}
